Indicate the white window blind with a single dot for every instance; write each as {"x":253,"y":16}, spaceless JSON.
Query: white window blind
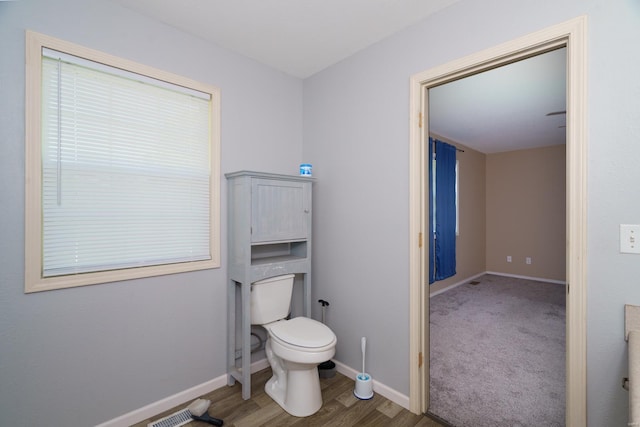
{"x":125,"y":169}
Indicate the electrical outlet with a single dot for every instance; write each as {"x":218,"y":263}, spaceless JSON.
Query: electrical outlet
{"x":528,"y":260}
{"x":508,"y":258}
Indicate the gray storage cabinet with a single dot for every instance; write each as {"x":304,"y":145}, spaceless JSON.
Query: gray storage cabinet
{"x":269,"y":234}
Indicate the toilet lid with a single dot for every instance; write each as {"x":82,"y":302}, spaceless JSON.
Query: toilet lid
{"x":303,"y":332}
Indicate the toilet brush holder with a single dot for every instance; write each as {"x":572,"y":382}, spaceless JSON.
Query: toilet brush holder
{"x":364,"y":386}
{"x":364,"y":383}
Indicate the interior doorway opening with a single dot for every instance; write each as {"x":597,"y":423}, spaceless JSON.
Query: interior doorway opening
{"x":508,"y":127}
{"x":572,"y":35}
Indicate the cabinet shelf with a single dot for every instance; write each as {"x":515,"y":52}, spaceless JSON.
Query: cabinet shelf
{"x":278,"y":252}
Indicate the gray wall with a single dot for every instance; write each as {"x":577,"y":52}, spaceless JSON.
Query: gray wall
{"x":356,"y":135}
{"x":90,"y":354}
{"x":82,"y":356}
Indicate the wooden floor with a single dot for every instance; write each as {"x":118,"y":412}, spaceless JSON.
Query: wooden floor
{"x":340,"y":409}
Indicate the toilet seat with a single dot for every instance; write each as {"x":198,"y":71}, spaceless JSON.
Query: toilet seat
{"x":303,"y":334}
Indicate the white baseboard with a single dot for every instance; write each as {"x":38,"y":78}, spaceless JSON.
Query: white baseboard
{"x":537,"y":279}
{"x":193,"y":393}
{"x":180,"y":398}
{"x":455,"y":285}
{"x":382,"y":389}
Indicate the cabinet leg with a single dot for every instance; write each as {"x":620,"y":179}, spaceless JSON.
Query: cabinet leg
{"x":231,"y":331}
{"x":246,"y":340}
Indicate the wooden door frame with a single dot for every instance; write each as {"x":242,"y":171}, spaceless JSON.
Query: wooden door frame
{"x":571,"y":34}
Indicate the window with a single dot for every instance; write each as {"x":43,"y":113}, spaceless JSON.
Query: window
{"x":122,"y":166}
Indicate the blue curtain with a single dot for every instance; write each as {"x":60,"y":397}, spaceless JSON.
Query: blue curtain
{"x":442,"y":244}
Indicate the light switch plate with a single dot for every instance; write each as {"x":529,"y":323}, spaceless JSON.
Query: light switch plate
{"x":630,"y":238}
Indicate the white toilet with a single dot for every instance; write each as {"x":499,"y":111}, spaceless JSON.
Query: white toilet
{"x":294,"y":347}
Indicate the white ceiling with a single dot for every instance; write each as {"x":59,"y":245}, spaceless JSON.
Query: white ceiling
{"x":506,"y":108}
{"x":500,"y":110}
{"x":299,"y":37}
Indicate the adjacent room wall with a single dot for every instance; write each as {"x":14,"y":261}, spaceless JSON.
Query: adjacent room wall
{"x":82,"y":356}
{"x":526,"y":212}
{"x":511,"y":203}
{"x":471,"y":239}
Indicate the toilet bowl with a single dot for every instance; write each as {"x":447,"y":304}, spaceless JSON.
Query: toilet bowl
{"x":294,"y":360}
{"x":294,"y":347}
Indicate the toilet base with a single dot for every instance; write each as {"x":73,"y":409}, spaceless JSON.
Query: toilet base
{"x":302,"y":395}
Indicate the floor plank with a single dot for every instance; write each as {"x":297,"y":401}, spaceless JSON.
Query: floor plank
{"x":340,"y":408}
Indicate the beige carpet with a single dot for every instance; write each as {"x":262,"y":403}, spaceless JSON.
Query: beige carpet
{"x":498,"y":353}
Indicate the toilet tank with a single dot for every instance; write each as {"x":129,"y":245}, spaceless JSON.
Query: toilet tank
{"x":271,"y":299}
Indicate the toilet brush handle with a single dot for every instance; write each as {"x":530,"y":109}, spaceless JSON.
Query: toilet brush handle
{"x":363,"y":343}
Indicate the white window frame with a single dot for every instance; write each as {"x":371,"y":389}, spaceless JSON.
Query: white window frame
{"x":34,"y":280}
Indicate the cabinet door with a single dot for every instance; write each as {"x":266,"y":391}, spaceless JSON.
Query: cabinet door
{"x":281,"y":210}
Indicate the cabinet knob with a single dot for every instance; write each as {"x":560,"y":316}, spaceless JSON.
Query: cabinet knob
{"x":306,"y":211}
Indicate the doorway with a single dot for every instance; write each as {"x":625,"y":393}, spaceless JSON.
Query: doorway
{"x":572,"y":35}
{"x":508,"y":126}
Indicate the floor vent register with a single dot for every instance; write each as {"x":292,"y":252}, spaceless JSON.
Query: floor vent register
{"x":176,"y":419}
